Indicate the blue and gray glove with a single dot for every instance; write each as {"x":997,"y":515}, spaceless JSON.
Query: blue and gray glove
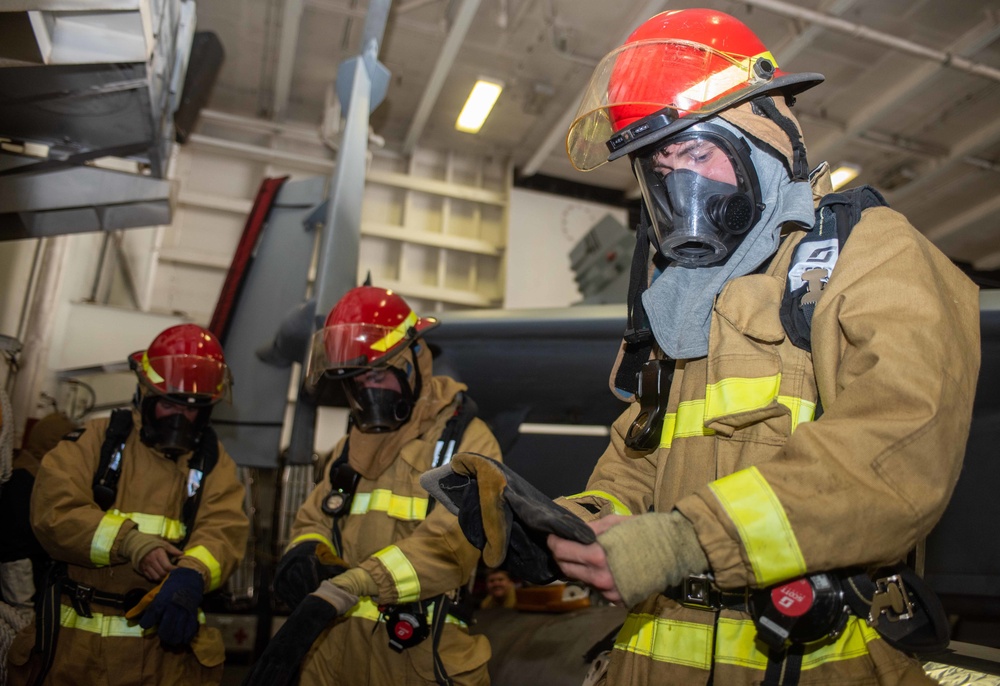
{"x":172,"y":607}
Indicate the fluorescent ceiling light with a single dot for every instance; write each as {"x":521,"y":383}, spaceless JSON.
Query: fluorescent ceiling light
{"x":481,"y":100}
{"x":844,"y":174}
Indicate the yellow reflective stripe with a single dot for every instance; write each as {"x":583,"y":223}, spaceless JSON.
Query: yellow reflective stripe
{"x":104,"y":538}
{"x":618,"y":506}
{"x":736,"y":394}
{"x":311,"y":537}
{"x":407,"y":508}
{"x":367,"y":609}
{"x":689,"y":420}
{"x":731,"y":396}
{"x":158,"y":525}
{"x":736,"y":644}
{"x":107,"y":625}
{"x":201,"y":553}
{"x":667,"y":640}
{"x":802,"y":410}
{"x":404,"y":576}
{"x":397,"y":334}
{"x":763,"y":526}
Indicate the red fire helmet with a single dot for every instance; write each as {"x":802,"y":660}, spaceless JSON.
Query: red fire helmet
{"x":186,"y":363}
{"x":367,"y":329}
{"x":677,"y":68}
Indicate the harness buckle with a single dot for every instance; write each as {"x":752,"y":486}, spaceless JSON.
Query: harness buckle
{"x":816,"y":280}
{"x":80,"y":598}
{"x":891,"y":600}
{"x":697,"y":592}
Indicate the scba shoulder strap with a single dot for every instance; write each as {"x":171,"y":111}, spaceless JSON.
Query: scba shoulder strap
{"x":109,"y":469}
{"x":816,"y":255}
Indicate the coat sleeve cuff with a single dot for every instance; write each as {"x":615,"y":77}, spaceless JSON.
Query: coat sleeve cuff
{"x":725,"y":554}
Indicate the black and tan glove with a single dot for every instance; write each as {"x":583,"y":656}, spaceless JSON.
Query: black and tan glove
{"x":503,"y":515}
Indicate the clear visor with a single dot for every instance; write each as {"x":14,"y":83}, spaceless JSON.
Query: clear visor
{"x":350,"y":349}
{"x":187,"y":379}
{"x":644,"y":77}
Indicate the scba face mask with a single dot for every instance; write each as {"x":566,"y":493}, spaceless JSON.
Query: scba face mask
{"x":381,"y":400}
{"x":701,"y":193}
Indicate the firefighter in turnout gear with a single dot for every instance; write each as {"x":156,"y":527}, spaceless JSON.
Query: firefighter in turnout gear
{"x":372,"y":567}
{"x":141,"y":514}
{"x":800,"y":397}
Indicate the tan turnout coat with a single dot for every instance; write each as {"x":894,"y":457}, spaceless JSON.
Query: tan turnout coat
{"x":410,"y":554}
{"x":107,"y":649}
{"x":774,"y":494}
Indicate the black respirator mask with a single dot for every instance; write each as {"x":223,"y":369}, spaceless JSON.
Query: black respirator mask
{"x":377,"y":407}
{"x":174,"y":434}
{"x":698,"y":220}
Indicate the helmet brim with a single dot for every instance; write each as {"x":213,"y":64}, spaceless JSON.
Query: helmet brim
{"x":785,"y":84}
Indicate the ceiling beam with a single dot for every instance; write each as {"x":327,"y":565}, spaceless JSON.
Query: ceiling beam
{"x":956,"y":155}
{"x":449,"y":51}
{"x":557,"y":133}
{"x":958,"y":222}
{"x":895,"y":94}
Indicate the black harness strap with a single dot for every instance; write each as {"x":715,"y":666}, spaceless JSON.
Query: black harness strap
{"x":109,"y":469}
{"x":816,"y":256}
{"x":638,"y":337}
{"x":205,"y":457}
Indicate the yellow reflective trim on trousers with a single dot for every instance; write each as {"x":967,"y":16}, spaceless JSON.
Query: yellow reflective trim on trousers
{"x":311,"y":537}
{"x":367,"y":609}
{"x":104,"y":538}
{"x":763,"y":526}
{"x":107,"y":625}
{"x":618,"y":506}
{"x":689,"y":420}
{"x":667,"y":640}
{"x":736,"y":644}
{"x":407,"y":508}
{"x":396,"y":335}
{"x":404,"y":576}
{"x":201,"y":553}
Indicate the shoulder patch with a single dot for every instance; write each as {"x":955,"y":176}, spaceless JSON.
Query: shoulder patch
{"x":73,"y":435}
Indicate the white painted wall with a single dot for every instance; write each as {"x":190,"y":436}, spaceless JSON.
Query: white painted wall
{"x":543,"y":230}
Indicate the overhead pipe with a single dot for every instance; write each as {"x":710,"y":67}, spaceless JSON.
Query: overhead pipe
{"x":865,"y":33}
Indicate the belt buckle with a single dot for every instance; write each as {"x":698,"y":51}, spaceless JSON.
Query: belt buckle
{"x":697,"y":592}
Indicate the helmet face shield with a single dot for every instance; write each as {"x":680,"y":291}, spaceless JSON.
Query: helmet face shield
{"x":350,"y":349}
{"x":701,"y":193}
{"x":673,"y":78}
{"x":189,"y":380}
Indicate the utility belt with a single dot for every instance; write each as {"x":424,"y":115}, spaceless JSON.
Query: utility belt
{"x":894,"y":601}
{"x":82,"y":596}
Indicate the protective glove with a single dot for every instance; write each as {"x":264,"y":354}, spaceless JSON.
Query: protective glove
{"x":302,"y":569}
{"x":172,"y":606}
{"x":504,"y":516}
{"x":279,"y":663}
{"x":651,"y":552}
